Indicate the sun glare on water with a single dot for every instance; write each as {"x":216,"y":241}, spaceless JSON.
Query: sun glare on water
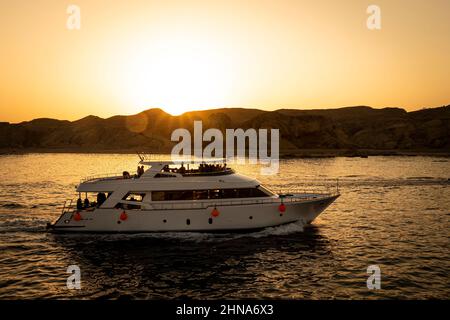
{"x":177,"y":75}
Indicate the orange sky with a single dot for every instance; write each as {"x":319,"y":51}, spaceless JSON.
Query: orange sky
{"x":183,"y":55}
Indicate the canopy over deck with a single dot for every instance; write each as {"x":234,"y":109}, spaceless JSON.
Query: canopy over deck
{"x":152,"y":160}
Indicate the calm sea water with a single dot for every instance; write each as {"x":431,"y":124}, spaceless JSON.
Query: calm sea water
{"x":394,"y":212}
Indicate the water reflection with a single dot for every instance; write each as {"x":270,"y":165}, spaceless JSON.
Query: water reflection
{"x":152,"y":267}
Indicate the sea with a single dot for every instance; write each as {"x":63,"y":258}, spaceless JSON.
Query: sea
{"x":386,"y":237}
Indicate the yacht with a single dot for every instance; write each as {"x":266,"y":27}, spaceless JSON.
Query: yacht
{"x":184,"y":196}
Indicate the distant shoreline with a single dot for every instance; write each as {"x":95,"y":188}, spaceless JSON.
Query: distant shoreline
{"x":284,"y":154}
{"x":345,"y":132}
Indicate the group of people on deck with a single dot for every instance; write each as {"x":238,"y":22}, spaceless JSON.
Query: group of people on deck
{"x":139,"y":172}
{"x":202,"y":168}
{"x":86,"y":204}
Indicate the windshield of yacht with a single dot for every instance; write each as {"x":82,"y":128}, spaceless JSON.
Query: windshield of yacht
{"x":266,"y":190}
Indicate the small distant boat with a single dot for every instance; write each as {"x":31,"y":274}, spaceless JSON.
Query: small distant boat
{"x":184,"y":196}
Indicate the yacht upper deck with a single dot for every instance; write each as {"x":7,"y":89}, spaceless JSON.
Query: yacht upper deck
{"x":163,"y":168}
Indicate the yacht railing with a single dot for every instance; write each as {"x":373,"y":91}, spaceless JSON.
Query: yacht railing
{"x":68,"y":206}
{"x":104,"y":176}
{"x":328,"y":186}
{"x":287,"y":197}
{"x":149,"y":156}
{"x":310,"y":190}
{"x":177,"y":158}
{"x":195,"y":204}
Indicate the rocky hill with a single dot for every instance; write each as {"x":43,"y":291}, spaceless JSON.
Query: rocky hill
{"x":345,"y":130}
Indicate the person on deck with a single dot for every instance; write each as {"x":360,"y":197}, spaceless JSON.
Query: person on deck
{"x":86,"y":203}
{"x":79,"y":204}
{"x":101,"y":197}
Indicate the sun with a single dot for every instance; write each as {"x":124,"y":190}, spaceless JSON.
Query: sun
{"x":178,"y":75}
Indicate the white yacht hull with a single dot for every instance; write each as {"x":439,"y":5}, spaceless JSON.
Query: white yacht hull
{"x":231,"y":218}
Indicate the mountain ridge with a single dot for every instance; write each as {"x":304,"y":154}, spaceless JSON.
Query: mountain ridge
{"x":348,"y":129}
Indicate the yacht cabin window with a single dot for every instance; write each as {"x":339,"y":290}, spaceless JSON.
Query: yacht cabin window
{"x":209,"y":194}
{"x":131,"y":196}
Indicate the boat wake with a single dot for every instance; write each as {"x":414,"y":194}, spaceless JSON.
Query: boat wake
{"x":197,"y":237}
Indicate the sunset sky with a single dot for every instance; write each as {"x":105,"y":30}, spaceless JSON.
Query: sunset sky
{"x":183,"y":55}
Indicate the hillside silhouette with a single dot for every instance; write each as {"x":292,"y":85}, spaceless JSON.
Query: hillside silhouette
{"x":349,"y":131}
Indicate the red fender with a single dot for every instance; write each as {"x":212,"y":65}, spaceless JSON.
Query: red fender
{"x":123,"y":216}
{"x":77,"y":216}
{"x":215,"y":213}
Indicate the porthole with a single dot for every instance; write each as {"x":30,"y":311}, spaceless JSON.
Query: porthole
{"x":210,"y":220}
{"x":188,"y":221}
